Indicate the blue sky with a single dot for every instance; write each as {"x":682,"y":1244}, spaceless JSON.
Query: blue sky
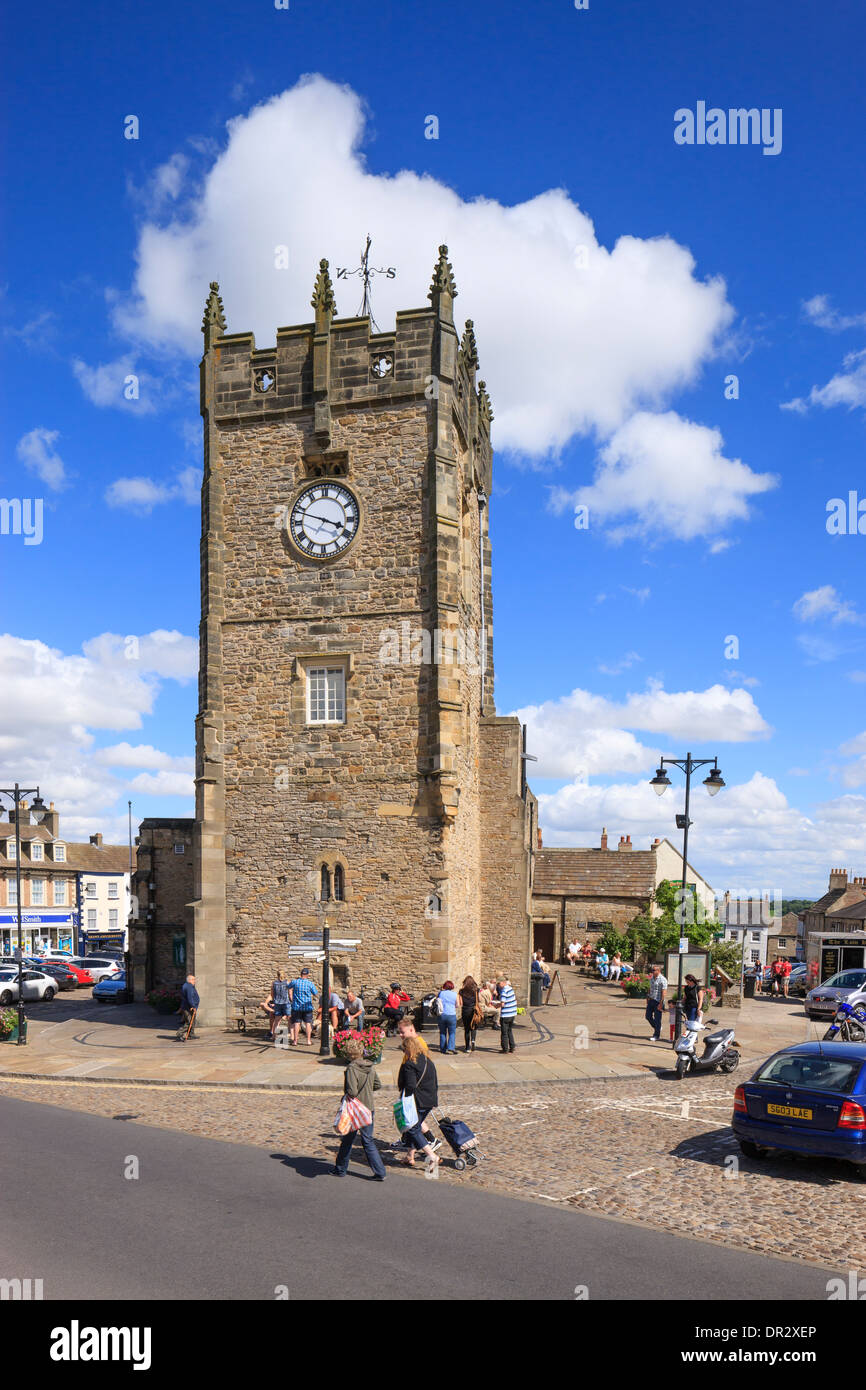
{"x":608,"y":378}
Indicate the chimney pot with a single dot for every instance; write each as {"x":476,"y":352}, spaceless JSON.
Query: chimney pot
{"x":604,"y":837}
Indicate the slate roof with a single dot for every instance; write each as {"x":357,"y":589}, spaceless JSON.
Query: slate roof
{"x":596,"y":873}
{"x":80,"y":858}
{"x":850,"y":911}
{"x":838,"y":898}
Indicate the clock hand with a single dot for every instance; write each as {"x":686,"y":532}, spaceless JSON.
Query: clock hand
{"x":327,"y":520}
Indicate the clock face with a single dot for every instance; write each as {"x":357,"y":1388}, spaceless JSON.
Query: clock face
{"x":324,"y":520}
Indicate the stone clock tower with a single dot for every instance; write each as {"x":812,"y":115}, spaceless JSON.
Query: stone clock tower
{"x":348,"y":752}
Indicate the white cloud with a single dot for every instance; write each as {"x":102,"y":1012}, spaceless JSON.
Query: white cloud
{"x":107,"y":384}
{"x":143,"y":755}
{"x":623,"y":664}
{"x":847,"y":387}
{"x":164,"y":784}
{"x":143,"y":494}
{"x":564,"y":350}
{"x":661,"y":475}
{"x":825,"y":602}
{"x":36,"y":450}
{"x":748,"y":838}
{"x":54,"y":704}
{"x":818,"y":310}
{"x":161,"y":653}
{"x":583,"y":734}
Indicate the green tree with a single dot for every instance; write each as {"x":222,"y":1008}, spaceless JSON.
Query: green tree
{"x":728,"y":956}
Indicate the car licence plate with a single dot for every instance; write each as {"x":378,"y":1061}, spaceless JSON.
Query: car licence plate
{"x":790,"y":1110}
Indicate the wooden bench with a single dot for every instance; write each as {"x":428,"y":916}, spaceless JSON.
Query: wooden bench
{"x":249,"y":1016}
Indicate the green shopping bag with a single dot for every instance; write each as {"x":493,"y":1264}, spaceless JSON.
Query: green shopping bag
{"x":405,"y":1113}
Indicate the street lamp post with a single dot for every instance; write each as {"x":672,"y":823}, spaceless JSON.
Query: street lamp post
{"x":660,"y":783}
{"x":308,"y":948}
{"x":39,"y":811}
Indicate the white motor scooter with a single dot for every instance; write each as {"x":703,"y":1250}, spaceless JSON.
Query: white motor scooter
{"x":718,"y":1053}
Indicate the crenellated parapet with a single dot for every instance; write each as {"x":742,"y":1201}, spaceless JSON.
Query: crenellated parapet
{"x":337,"y":364}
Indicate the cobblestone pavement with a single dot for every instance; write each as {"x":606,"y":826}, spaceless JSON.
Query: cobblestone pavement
{"x":653,"y":1151}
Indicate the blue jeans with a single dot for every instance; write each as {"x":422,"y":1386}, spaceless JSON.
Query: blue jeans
{"x":447,"y":1032}
{"x":415,"y":1138}
{"x":374,"y":1158}
{"x":654,"y":1016}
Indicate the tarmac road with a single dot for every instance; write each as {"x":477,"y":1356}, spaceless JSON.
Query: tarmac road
{"x":208,"y":1219}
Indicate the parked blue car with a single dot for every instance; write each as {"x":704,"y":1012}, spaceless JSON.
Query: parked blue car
{"x":808,"y":1099}
{"x":111,"y":990}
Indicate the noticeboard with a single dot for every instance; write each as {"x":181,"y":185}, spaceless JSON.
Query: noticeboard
{"x":694,"y":963}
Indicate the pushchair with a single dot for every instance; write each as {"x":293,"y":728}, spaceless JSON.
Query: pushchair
{"x":460,"y":1139}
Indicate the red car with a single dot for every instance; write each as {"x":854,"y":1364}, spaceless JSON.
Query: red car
{"x":83,"y":977}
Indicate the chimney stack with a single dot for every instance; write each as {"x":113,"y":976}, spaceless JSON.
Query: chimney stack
{"x":97,"y":840}
{"x":604,"y":837}
{"x":538,"y":832}
{"x":625,"y":842}
{"x":838,"y":880}
{"x":656,"y":842}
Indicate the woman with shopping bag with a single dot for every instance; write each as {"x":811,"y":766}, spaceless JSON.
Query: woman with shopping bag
{"x":355,"y":1116}
{"x":419,"y":1094}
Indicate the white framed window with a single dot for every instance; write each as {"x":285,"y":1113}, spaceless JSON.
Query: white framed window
{"x":90,"y":890}
{"x":37,"y":851}
{"x":37,"y":892}
{"x":11,"y":893}
{"x":112,"y":919}
{"x":60,"y":892}
{"x":180,"y":849}
{"x":112,"y":889}
{"x":756,"y":936}
{"x":10,"y":849}
{"x":91,"y":919}
{"x":60,"y":854}
{"x":326,"y":695}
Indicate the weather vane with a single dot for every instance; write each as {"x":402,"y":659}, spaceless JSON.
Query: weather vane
{"x":366,"y":272}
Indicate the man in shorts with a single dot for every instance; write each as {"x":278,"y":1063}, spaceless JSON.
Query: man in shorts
{"x":280,"y":996}
{"x":302,"y":992}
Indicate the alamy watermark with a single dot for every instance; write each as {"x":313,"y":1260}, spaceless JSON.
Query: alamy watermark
{"x":450,"y":646}
{"x":846,"y":517}
{"x":22,"y":516}
{"x":736,"y":126}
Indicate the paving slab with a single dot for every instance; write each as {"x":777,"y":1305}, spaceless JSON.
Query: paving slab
{"x":73,"y":1039}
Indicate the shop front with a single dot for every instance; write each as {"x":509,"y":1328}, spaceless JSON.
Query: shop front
{"x":41,"y":931}
{"x":828,"y":953}
{"x":95,"y":941}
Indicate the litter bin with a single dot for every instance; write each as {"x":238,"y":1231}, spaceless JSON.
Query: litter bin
{"x":749,"y":987}
{"x":424,"y":1015}
{"x":536,"y":990}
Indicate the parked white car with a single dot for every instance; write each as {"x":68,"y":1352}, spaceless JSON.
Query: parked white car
{"x":36,"y":984}
{"x":100,"y":967}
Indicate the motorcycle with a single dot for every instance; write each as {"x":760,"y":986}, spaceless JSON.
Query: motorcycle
{"x":718,"y":1053}
{"x":849,"y":1022}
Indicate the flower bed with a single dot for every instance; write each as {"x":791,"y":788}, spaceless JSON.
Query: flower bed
{"x":635,"y":986}
{"x":165,"y":1001}
{"x":8,"y":1023}
{"x":373,"y":1039}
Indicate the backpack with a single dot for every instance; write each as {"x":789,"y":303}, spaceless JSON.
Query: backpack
{"x":437,"y":1007}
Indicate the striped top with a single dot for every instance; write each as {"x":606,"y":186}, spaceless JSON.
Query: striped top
{"x":509,"y":1002}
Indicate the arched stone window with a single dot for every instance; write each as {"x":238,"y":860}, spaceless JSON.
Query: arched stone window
{"x":325,"y":893}
{"x":339,"y":884}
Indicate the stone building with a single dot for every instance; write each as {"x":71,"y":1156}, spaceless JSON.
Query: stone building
{"x":74,"y":895}
{"x":581,"y":892}
{"x":349,"y":758}
{"x":843,"y":893}
{"x":163,"y":885}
